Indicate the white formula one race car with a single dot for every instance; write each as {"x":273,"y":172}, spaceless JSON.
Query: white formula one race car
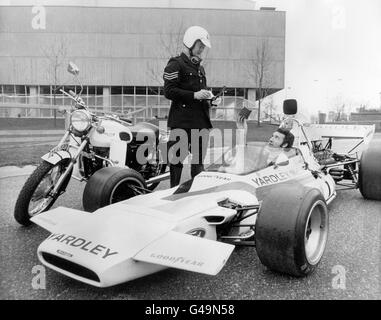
{"x":280,"y":208}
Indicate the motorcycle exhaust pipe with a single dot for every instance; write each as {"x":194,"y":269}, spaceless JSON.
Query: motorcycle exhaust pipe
{"x":158,"y":178}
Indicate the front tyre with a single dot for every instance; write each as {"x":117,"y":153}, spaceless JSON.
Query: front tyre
{"x":291,"y":230}
{"x":35,"y":197}
{"x":110,"y":185}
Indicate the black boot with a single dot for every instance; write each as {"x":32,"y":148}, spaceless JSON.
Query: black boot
{"x":196,"y":169}
{"x":175,"y":172}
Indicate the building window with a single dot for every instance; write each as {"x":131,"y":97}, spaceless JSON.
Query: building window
{"x":91,"y":90}
{"x":129,"y":90}
{"x":141,"y":90}
{"x":153,"y":91}
{"x":116,"y":90}
{"x":141,"y":101}
{"x":216,"y":90}
{"x":99,"y":91}
{"x":20,"y":89}
{"x":60,"y":99}
{"x":94,"y":91}
{"x":44,"y":90}
{"x":9,"y":89}
{"x":56,"y":91}
{"x":94,"y":96}
{"x":44,"y":95}
{"x":240,"y":92}
{"x":230,"y":92}
{"x":116,"y":97}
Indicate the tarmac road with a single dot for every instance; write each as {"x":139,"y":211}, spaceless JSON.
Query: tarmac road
{"x":350,"y":268}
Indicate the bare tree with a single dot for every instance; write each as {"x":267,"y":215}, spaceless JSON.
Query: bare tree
{"x":259,"y":72}
{"x":340,"y":112}
{"x":56,"y":55}
{"x":270,"y":109}
{"x":338,"y":107}
{"x":170,"y":45}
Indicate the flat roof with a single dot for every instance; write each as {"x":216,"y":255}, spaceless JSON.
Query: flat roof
{"x":186,"y":4}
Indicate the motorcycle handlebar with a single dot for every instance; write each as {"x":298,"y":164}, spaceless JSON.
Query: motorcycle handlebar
{"x":78,"y":100}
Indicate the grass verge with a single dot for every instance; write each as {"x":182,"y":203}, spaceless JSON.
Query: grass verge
{"x":27,"y":155}
{"x":31,"y":124}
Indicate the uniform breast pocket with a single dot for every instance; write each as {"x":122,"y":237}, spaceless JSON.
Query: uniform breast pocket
{"x":192,"y":81}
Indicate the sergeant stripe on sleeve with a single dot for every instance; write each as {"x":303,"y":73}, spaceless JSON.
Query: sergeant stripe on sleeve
{"x":170,"y":78}
{"x":171,"y":75}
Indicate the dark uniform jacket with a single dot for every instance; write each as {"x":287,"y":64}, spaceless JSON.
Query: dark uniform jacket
{"x":181,"y":79}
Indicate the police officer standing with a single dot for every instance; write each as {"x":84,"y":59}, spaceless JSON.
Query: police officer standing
{"x":185,"y":85}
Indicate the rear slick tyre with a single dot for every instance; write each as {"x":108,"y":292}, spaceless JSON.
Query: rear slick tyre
{"x":370,"y":172}
{"x":291,"y":232}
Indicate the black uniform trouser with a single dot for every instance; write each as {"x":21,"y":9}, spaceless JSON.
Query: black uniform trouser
{"x":181,"y":142}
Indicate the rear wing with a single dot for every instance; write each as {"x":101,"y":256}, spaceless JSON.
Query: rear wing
{"x":317,"y":132}
{"x":343,"y":131}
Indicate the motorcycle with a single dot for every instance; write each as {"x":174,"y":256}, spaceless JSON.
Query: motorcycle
{"x":93,"y":142}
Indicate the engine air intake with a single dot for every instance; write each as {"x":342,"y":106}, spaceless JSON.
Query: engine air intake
{"x":71,"y":267}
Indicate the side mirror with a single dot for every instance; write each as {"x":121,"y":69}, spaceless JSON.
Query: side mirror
{"x":281,"y":160}
{"x":72,"y":68}
{"x":290,"y":107}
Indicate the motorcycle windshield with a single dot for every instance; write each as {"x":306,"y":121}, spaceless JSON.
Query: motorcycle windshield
{"x":242,"y":159}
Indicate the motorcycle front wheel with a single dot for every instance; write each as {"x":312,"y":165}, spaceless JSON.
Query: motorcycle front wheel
{"x":35,"y":196}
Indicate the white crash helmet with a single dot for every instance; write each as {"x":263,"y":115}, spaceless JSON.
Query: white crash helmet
{"x":194,"y":33}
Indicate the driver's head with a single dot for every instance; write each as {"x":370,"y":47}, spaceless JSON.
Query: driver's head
{"x":282,"y":138}
{"x":195,"y":40}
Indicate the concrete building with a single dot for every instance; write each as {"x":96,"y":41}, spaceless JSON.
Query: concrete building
{"x":121,"y":48}
{"x":367,"y":118}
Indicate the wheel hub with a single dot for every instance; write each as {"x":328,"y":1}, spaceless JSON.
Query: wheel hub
{"x":316,"y":233}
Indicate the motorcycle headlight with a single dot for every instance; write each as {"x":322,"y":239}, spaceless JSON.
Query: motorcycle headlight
{"x":80,"y":120}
